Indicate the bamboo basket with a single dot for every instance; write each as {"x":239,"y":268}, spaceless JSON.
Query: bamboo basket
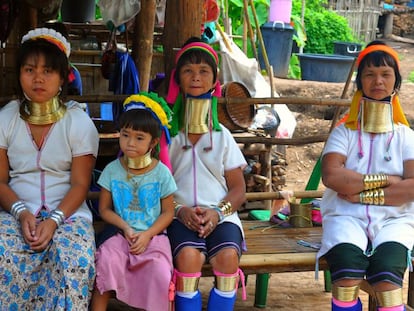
{"x":234,"y":116}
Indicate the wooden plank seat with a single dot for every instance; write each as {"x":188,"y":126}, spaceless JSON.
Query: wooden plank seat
{"x":272,"y":249}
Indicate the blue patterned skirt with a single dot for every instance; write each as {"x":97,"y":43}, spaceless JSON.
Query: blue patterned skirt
{"x":59,"y":278}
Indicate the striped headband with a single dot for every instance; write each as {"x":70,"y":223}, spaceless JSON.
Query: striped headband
{"x":378,"y":47}
{"x":201,"y":46}
{"x":144,"y":101}
{"x":51,"y":36}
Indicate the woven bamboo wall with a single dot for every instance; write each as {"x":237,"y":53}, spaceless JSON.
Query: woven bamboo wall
{"x":362,"y":16}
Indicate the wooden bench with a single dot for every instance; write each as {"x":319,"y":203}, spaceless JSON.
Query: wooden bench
{"x":271,"y":249}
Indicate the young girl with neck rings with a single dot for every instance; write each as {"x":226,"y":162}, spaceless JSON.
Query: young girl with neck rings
{"x":135,"y":265}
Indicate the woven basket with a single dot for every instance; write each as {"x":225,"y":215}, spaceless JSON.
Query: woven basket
{"x":233,"y":116}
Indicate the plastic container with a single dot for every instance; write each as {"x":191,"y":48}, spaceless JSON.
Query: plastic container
{"x":347,"y":48}
{"x":280,"y":11}
{"x":325,"y":68}
{"x":278,"y":38}
{"x":78,"y":11}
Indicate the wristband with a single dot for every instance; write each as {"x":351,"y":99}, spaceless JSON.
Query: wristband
{"x":373,"y":181}
{"x":177,"y":208}
{"x":57,"y":216}
{"x":17,"y":208}
{"x":225,"y":208}
{"x":219,"y":212}
{"x":372,"y":197}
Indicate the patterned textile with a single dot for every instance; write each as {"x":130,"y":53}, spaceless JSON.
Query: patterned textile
{"x":59,"y":278}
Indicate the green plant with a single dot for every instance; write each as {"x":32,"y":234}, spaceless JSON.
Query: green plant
{"x":322,"y":26}
{"x":411,"y":77}
{"x":236,"y":15}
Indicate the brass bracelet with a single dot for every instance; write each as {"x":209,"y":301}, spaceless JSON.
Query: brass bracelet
{"x":372,"y":197}
{"x":381,"y":196}
{"x":177,"y":208}
{"x":373,"y":181}
{"x":225,"y":207}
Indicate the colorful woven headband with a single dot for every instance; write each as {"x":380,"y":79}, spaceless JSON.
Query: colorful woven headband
{"x":378,"y":47}
{"x":197,"y":46}
{"x":156,"y":105}
{"x":173,"y":87}
{"x":51,"y":36}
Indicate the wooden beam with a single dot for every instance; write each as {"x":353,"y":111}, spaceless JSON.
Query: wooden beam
{"x":143,"y":42}
{"x":182,"y":21}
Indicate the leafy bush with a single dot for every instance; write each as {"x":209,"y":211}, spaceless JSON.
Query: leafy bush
{"x":322,"y":26}
{"x":236,"y":14}
{"x":411,"y":77}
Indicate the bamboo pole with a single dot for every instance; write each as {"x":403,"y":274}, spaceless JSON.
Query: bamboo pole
{"x":251,"y":196}
{"x":288,"y":100}
{"x":276,"y":195}
{"x":343,"y":95}
{"x":263,"y":48}
{"x":249,"y":28}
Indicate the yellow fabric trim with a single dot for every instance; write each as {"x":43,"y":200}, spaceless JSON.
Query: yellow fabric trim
{"x":150,"y":104}
{"x":352,"y":120}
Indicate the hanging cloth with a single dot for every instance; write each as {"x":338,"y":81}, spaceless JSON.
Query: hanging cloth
{"x":125,"y":80}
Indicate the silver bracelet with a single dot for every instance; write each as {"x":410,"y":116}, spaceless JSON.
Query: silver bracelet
{"x":17,"y":208}
{"x":57,"y":216}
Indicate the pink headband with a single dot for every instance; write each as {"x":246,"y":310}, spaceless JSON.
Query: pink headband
{"x":173,"y":88}
{"x":197,"y":46}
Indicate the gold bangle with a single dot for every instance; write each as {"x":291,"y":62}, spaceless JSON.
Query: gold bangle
{"x":373,"y":181}
{"x":177,"y":208}
{"x":225,"y":207}
{"x":381,"y":196}
{"x":375,"y":197}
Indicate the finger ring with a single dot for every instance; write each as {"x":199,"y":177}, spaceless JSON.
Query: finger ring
{"x":211,"y":224}
{"x":189,"y":223}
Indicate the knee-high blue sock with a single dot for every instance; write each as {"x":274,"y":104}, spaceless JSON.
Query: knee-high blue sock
{"x":220,"y":303}
{"x":188,"y":304}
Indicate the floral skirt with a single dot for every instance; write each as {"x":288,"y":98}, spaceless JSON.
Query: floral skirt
{"x":59,"y":278}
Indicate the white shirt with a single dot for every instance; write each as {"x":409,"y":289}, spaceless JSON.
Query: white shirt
{"x":41,"y":177}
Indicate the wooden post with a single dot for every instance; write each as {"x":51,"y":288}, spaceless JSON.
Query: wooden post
{"x":143,"y":42}
{"x":182,"y":21}
{"x":389,"y":20}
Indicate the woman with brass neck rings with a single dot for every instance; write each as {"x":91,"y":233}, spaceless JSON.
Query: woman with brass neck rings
{"x":47,"y":152}
{"x":208,"y":167}
{"x":368,"y":171}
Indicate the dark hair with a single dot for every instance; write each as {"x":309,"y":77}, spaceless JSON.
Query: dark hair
{"x":140,"y":120}
{"x":194,"y":56}
{"x":54,"y":57}
{"x":377,"y":59}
